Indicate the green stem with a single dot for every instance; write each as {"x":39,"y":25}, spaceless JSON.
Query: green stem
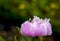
{"x":24,"y":38}
{"x":41,"y":38}
{"x":33,"y":39}
{"x":38,"y":39}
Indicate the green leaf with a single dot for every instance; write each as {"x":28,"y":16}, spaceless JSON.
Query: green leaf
{"x":2,"y":39}
{"x":18,"y":29}
{"x":15,"y":39}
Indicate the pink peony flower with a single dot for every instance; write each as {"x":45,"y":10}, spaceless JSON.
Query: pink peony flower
{"x":37,"y":27}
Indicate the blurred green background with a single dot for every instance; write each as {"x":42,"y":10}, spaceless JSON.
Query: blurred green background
{"x":25,"y":9}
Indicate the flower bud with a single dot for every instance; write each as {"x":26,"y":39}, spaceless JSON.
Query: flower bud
{"x":37,"y":27}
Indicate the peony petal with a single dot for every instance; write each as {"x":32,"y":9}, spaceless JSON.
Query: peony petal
{"x":46,"y":20}
{"x":26,"y":29}
{"x":49,"y":29}
{"x":43,"y":30}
